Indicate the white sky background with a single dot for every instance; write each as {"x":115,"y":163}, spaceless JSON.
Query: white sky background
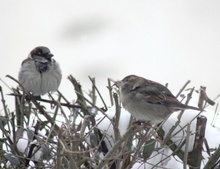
{"x":165,"y":41}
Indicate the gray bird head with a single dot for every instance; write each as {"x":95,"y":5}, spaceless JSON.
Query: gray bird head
{"x":129,"y":83}
{"x":41,"y":54}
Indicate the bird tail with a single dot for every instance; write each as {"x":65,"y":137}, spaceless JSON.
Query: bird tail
{"x":193,"y":108}
{"x":184,"y":107}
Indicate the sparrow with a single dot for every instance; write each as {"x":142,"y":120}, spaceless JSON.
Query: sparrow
{"x":39,"y":73}
{"x":148,"y":100}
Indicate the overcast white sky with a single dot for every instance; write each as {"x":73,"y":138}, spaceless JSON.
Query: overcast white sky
{"x":165,"y":41}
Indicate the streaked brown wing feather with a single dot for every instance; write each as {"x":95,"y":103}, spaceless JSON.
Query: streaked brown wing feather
{"x":156,"y":93}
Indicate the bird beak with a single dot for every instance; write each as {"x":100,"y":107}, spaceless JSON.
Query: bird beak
{"x":118,"y":83}
{"x":49,"y":56}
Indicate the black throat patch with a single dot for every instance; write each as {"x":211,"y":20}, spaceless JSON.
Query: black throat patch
{"x":42,"y":67}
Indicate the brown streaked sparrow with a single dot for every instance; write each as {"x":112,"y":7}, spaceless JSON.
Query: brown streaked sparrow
{"x":147,"y":100}
{"x":39,"y":73}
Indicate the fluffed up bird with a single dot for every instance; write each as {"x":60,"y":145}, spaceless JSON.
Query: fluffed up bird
{"x":148,"y":100}
{"x":39,"y":73}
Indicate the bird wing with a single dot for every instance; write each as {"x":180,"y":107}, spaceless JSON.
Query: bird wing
{"x":26,"y":60}
{"x":155,"y":93}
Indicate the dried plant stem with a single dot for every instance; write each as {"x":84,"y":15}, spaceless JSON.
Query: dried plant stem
{"x":41,"y":110}
{"x":57,"y":108}
{"x":186,"y":124}
{"x":202,"y":97}
{"x":49,"y":101}
{"x":5,"y":108}
{"x":3,"y":102}
{"x":179,"y":117}
{"x":62,"y":149}
{"x":185,"y":158}
{"x":195,"y":156}
{"x":96,"y":89}
{"x":5,"y":83}
{"x":84,"y":124}
{"x":110,"y":91}
{"x":62,"y":96}
{"x":61,"y":109}
{"x":117,"y":117}
{"x":78,"y":90}
{"x":214,"y":158}
{"x":80,"y":145}
{"x":81,"y":99}
{"x":215,"y":115}
{"x":110,"y":155}
{"x":126,"y":151}
{"x":171,"y":145}
{"x":59,"y":151}
{"x":93,"y":91}
{"x":181,"y":90}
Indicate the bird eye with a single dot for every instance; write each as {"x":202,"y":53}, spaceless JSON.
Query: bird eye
{"x":39,"y":53}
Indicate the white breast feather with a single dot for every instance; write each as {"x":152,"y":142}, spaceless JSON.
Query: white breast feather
{"x":39,"y":83}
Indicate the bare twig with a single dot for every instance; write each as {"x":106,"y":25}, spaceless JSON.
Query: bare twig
{"x":62,"y":96}
{"x":113,"y":151}
{"x":59,"y":150}
{"x":179,"y":117}
{"x":117,"y":117}
{"x":215,"y":115}
{"x":5,"y":108}
{"x":110,"y":91}
{"x":48,"y":117}
{"x":93,"y":91}
{"x":12,"y":78}
{"x":185,"y":158}
{"x":195,"y":156}
{"x":93,"y":82}
{"x":214,"y":158}
{"x":5,"y":84}
{"x":84,"y":124}
{"x":181,"y":90}
{"x":49,"y":101}
{"x":147,"y":136}
{"x":202,"y":97}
